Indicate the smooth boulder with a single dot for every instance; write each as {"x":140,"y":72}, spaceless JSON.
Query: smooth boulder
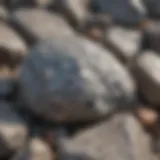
{"x":146,"y":70}
{"x":13,"y":49}
{"x":38,"y":24}
{"x":70,"y":79}
{"x":125,"y":43}
{"x":120,"y":137}
{"x":127,"y":12}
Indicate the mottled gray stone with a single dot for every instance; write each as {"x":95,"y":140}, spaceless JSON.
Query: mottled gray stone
{"x":38,"y":24}
{"x":3,"y":13}
{"x":12,"y":47}
{"x":13,"y":131}
{"x":146,"y":69}
{"x":124,"y":42}
{"x":36,"y":149}
{"x":121,"y":137}
{"x":129,"y":12}
{"x":70,"y":78}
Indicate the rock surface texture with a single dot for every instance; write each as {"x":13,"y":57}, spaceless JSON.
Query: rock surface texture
{"x":66,"y":83}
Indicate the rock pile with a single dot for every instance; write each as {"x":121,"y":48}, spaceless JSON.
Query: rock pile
{"x":79,"y":79}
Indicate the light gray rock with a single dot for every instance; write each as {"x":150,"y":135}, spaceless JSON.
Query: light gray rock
{"x":124,"y":42}
{"x":13,"y":131}
{"x":77,"y":11}
{"x":129,"y":12}
{"x":38,"y":24}
{"x":70,"y":78}
{"x":36,"y":149}
{"x":121,"y":137}
{"x":146,"y":69}
{"x":12,"y":47}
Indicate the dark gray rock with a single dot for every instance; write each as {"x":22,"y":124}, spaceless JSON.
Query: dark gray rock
{"x":121,"y":137}
{"x":13,"y":131}
{"x":38,"y":24}
{"x":153,"y":7}
{"x":12,"y":47}
{"x":125,"y":43}
{"x":146,"y":69}
{"x":69,"y":78}
{"x":151,"y":36}
{"x":36,"y":149}
{"x":127,"y":12}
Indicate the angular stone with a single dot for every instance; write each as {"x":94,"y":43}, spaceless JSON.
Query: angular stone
{"x":127,"y":12}
{"x":121,"y":137}
{"x":36,"y":149}
{"x":124,"y":42}
{"x":76,"y":11}
{"x":13,"y":131}
{"x":146,"y":70}
{"x":62,"y":81}
{"x":12,"y":47}
{"x":45,"y":26}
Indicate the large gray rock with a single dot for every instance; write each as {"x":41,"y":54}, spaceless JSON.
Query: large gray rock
{"x":121,"y":137}
{"x":38,"y":24}
{"x":124,"y":42}
{"x":77,"y":11}
{"x":36,"y":149}
{"x":129,"y":12}
{"x":146,"y":69}
{"x":69,"y":78}
{"x":13,"y":131}
{"x":12,"y":47}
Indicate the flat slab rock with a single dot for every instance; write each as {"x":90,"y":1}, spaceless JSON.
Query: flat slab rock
{"x":36,"y":149}
{"x":126,"y":12}
{"x":146,"y":69}
{"x":45,"y":26}
{"x":12,"y":47}
{"x":13,"y":131}
{"x":125,"y":43}
{"x":121,"y":137}
{"x":62,"y":81}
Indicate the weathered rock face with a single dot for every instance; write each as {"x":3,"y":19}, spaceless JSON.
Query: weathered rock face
{"x":152,"y":36}
{"x":13,"y":49}
{"x":125,"y":11}
{"x":70,"y":78}
{"x":13,"y":131}
{"x":77,"y":11}
{"x":125,"y":43}
{"x":146,"y":69}
{"x":38,"y":24}
{"x":36,"y":149}
{"x":119,"y":138}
